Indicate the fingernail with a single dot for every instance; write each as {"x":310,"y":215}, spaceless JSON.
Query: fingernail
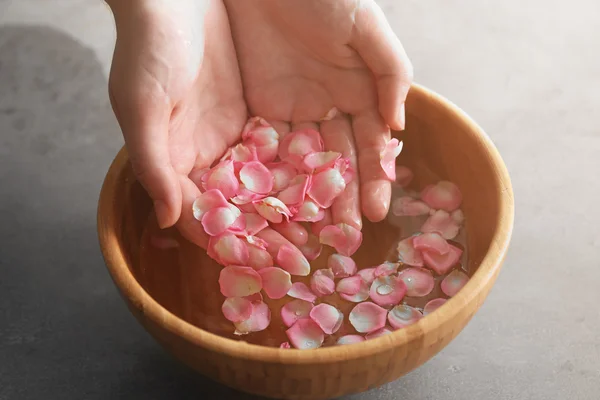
{"x":162,"y":213}
{"x":402,"y":117}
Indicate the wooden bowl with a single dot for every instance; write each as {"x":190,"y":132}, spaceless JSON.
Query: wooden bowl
{"x":440,"y":140}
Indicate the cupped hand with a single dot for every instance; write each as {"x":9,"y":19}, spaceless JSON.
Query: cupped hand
{"x":299,"y":59}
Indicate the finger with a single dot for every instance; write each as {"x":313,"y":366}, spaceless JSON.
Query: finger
{"x":380,"y":48}
{"x":188,"y":226}
{"x":319,"y":225}
{"x":371,"y":134}
{"x":292,"y":231}
{"x":337,"y":136}
{"x":305,"y":125}
{"x":282,"y":127}
{"x":274,"y":239}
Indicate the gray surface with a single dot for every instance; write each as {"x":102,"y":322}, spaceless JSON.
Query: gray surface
{"x":528,"y":72}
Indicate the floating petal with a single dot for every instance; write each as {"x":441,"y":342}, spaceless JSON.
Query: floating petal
{"x":342,"y":266}
{"x":406,"y":206}
{"x":381,"y":332}
{"x":367,"y":275}
{"x":404,"y":175}
{"x":343,"y":237}
{"x":419,"y":281}
{"x":431,"y":242}
{"x":275,"y":282}
{"x":441,"y":222}
{"x":443,"y":196}
{"x":408,"y":254}
{"x":386,"y":269}
{"x":237,"y":281}
{"x":388,"y":155}
{"x":321,"y":282}
{"x":433,"y":305}
{"x":350,"y":339}
{"x":403,"y":315}
{"x":367,"y":317}
{"x":292,"y":260}
{"x":387,"y":291}
{"x":300,"y":291}
{"x":453,"y":282}
{"x":327,"y":317}
{"x":237,"y":309}
{"x":350,"y":285}
{"x":362,"y":295}
{"x":259,"y":320}
{"x":442,"y":263}
{"x":295,"y":310}
{"x":305,"y":334}
{"x":285,"y":345}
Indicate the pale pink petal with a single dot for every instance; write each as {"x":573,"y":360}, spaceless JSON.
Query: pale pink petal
{"x":345,"y":167}
{"x":295,"y":310}
{"x":259,"y":320}
{"x":433,"y":305}
{"x":441,"y":222}
{"x":237,"y":309}
{"x":341,"y":266}
{"x":367,"y":317}
{"x":442,"y":263}
{"x":321,"y":282}
{"x":241,"y":153}
{"x":275,"y":282}
{"x":237,"y":281}
{"x":432,"y":242}
{"x":254,"y":298}
{"x":330,"y":114}
{"x":318,"y":226}
{"x":246,"y":208}
{"x":222,"y":177}
{"x":309,"y":211}
{"x":255,"y":223}
{"x":300,"y":291}
{"x":207,"y":201}
{"x":419,"y":281}
{"x":388,"y":158}
{"x":385,"y":269}
{"x":403,"y":315}
{"x":285,"y":345}
{"x":312,"y":249}
{"x":381,"y":332}
{"x":321,"y":160}
{"x":443,"y":196}
{"x":292,"y":260}
{"x":197,"y":176}
{"x":367,"y":275}
{"x":403,"y":175}
{"x":272,"y":209}
{"x":294,"y":194}
{"x":256,"y":177}
{"x":406,"y":206}
{"x":350,"y":285}
{"x":350,"y":339}
{"x":387,"y":291}
{"x":343,"y":237}
{"x":283,"y":173}
{"x":362,"y":295}
{"x":218,"y":220}
{"x":245,"y":196}
{"x":408,"y":254}
{"x":228,"y":249}
{"x":327,"y":317}
{"x":163,"y":242}
{"x":458,"y":216}
{"x":305,"y":334}
{"x":300,"y":143}
{"x":239,"y":225}
{"x":267,"y":153}
{"x":326,"y":186}
{"x":453,"y":282}
{"x":257,"y":241}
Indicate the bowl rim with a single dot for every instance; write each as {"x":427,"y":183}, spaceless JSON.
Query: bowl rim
{"x":130,"y":288}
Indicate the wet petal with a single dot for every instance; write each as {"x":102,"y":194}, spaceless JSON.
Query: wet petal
{"x":454,"y":282}
{"x":218,"y":220}
{"x":267,"y":153}
{"x":222,"y":177}
{"x":300,"y":143}
{"x":305,"y":334}
{"x":441,"y":222}
{"x":443,"y":196}
{"x":388,"y":158}
{"x":207,"y":201}
{"x":432,"y":242}
{"x":403,"y":315}
{"x":309,"y":211}
{"x":275,"y":282}
{"x":350,"y":285}
{"x":295,"y":310}
{"x":292,"y":260}
{"x":385,"y":269}
{"x":312,"y":249}
{"x":341,"y":266}
{"x":283,"y":173}
{"x":350,"y":339}
{"x":254,"y":298}
{"x":403,"y":175}
{"x":256,"y":177}
{"x":419,"y":281}
{"x":406,"y":206}
{"x":321,"y":282}
{"x":367,"y":275}
{"x":343,"y":237}
{"x":458,"y":216}
{"x":367,"y":317}
{"x":345,"y":167}
{"x":228,"y":249}
{"x":293,"y":195}
{"x":272,"y":209}
{"x":259,"y":258}
{"x":237,"y":309}
{"x":300,"y":291}
{"x":285,"y":345}
{"x":442,"y":263}
{"x":326,"y":186}
{"x":259,"y":131}
{"x":327,"y":317}
{"x":387,"y":291}
{"x":381,"y":332}
{"x":408,"y":254}
{"x":259,"y":320}
{"x":433,"y":305}
{"x":321,"y":160}
{"x":237,"y":281}
{"x":362,"y":295}
{"x":255,"y":223}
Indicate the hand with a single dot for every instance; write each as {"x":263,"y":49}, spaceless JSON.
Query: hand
{"x":176,"y":91}
{"x":298,"y":59}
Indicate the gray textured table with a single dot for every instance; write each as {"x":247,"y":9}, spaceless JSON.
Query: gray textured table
{"x":527,"y":71}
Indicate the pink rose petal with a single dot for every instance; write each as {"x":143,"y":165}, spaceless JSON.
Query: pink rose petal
{"x":300,"y":291}
{"x":403,"y":315}
{"x":350,"y":339}
{"x":293,"y":195}
{"x":258,"y":257}
{"x":283,"y":173}
{"x":241,"y":153}
{"x":245,"y":196}
{"x":295,"y":310}
{"x":441,"y":222}
{"x":403,"y":175}
{"x":237,"y":281}
{"x":343,"y":237}
{"x":228,"y":249}
{"x":259,"y":131}
{"x":453,"y":282}
{"x":443,"y":196}
{"x":327,"y":317}
{"x":362,"y":295}
{"x":305,"y":334}
{"x":237,"y":309}
{"x":254,"y":298}
{"x":275,"y":282}
{"x":385,"y":269}
{"x":309,"y":211}
{"x":458,"y":217}
{"x":408,"y":207}
{"x":256,"y":177}
{"x":218,"y":220}
{"x":272,"y":209}
{"x":312,"y":249}
{"x":431,"y":242}
{"x":388,"y":155}
{"x":259,"y":320}
{"x":419,"y":281}
{"x":367,"y":275}
{"x":367,"y":317}
{"x":321,"y":282}
{"x":341,"y":266}
{"x":207,"y":201}
{"x":387,"y":290}
{"x":292,"y":260}
{"x":300,"y":143}
{"x":321,"y":160}
{"x":326,"y":186}
{"x":285,"y":345}
{"x":442,"y":263}
{"x":381,"y":332}
{"x":222,"y":177}
{"x":408,"y":254}
{"x":350,"y":285}
{"x":255,"y":223}
{"x":433,"y":305}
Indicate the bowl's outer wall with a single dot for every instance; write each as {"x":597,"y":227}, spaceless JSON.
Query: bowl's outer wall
{"x":439,"y":137}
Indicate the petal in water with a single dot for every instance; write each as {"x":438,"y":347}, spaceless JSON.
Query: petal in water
{"x":300,"y":291}
{"x":408,"y":254}
{"x":433,"y":305}
{"x":387,"y":291}
{"x":350,"y":285}
{"x":292,"y":260}
{"x":408,"y":207}
{"x":207,"y":201}
{"x":285,"y":345}
{"x":343,"y":237}
{"x":367,"y":275}
{"x":453,"y":282}
{"x":237,"y":281}
{"x":381,"y":332}
{"x":256,"y":177}
{"x":403,"y":175}
{"x":305,"y":334}
{"x":388,"y":155}
{"x":367,"y":317}
{"x":228,"y":249}
{"x":431,"y":242}
{"x":326,"y":186}
{"x":321,"y":282}
{"x":386,"y":269}
{"x":441,"y":222}
{"x":361,"y":295}
{"x":259,"y":320}
{"x":327,"y":317}
{"x":403,"y":315}
{"x":341,"y":266}
{"x":312,"y":248}
{"x":275,"y":282}
{"x":272,"y":209}
{"x":237,"y":309}
{"x":441,"y":264}
{"x":350,"y":339}
{"x":443,"y":196}
{"x":295,"y":310}
{"x":419,"y":281}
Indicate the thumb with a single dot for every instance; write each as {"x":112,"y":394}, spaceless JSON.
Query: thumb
{"x":380,"y":48}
